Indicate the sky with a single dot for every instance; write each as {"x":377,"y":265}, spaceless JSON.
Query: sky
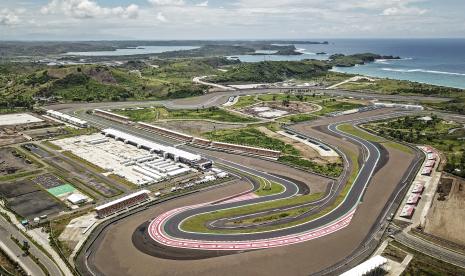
{"x":229,"y":19}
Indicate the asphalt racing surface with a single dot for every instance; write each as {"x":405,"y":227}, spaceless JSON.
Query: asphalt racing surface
{"x":341,"y":215}
{"x":165,"y":229}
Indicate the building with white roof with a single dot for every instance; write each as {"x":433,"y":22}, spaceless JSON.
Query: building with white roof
{"x":67,"y":118}
{"x":171,"y":152}
{"x":76,"y":198}
{"x":397,"y":105}
{"x":373,"y":266}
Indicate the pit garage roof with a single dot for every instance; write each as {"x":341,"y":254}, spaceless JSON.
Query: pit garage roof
{"x":152,"y":145}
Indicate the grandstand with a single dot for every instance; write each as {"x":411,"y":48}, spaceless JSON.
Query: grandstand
{"x":112,"y":116}
{"x":165,"y":132}
{"x":246,"y":149}
{"x":201,"y":142}
{"x":122,"y":203}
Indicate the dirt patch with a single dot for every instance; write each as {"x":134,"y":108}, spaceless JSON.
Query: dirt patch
{"x":196,"y":128}
{"x":446,"y":218}
{"x":279,"y":109}
{"x":29,"y":201}
{"x":12,"y":161}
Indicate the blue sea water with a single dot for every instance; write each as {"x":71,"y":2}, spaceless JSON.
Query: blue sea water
{"x":133,"y":51}
{"x":434,"y":61}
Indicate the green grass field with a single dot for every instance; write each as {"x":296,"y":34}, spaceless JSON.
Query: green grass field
{"x":373,"y":138}
{"x":161,"y":113}
{"x":244,"y":101}
{"x":268,"y":187}
{"x":443,"y":135}
{"x":197,"y":223}
{"x":331,"y":169}
{"x":330,"y":106}
{"x":251,"y":136}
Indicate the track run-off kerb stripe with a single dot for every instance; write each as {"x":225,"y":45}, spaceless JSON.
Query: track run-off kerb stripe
{"x":166,"y":228}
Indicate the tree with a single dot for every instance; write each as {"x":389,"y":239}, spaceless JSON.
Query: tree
{"x":25,"y":247}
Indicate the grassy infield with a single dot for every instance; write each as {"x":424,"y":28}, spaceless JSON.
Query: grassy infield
{"x":161,"y":113}
{"x":197,"y":223}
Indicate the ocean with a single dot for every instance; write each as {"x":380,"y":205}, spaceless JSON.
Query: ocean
{"x":141,"y":50}
{"x":433,"y":61}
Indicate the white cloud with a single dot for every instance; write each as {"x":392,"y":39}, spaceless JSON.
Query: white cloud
{"x":167,"y":2}
{"x":404,"y":10}
{"x":161,"y":17}
{"x":88,"y":9}
{"x":203,"y":4}
{"x":8,"y":17}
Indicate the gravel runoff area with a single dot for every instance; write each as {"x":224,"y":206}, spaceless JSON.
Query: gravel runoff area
{"x":299,"y":259}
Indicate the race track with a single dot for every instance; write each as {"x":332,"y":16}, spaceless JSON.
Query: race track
{"x":166,"y":229}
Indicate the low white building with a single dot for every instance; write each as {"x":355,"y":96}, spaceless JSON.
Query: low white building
{"x":373,"y":266}
{"x":77,"y":199}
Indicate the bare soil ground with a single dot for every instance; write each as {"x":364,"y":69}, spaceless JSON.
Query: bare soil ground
{"x":300,"y":259}
{"x":27,"y":200}
{"x":446,"y":218}
{"x":292,"y":108}
{"x":196,"y":128}
{"x":12,"y":162}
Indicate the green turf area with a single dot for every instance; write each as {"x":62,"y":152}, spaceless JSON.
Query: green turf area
{"x":350,"y":129}
{"x":268,"y":187}
{"x":251,"y":136}
{"x":330,"y":169}
{"x":373,"y":138}
{"x":160,"y":113}
{"x":244,"y":101}
{"x":443,"y":135}
{"x":61,"y":190}
{"x":424,"y":265}
{"x":270,"y":218}
{"x":291,"y":96}
{"x":196,"y":223}
{"x":298,"y":118}
{"x":71,"y":132}
{"x":19,"y":175}
{"x":333,"y":105}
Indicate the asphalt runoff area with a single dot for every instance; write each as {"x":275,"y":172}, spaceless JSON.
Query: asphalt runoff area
{"x":299,"y":259}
